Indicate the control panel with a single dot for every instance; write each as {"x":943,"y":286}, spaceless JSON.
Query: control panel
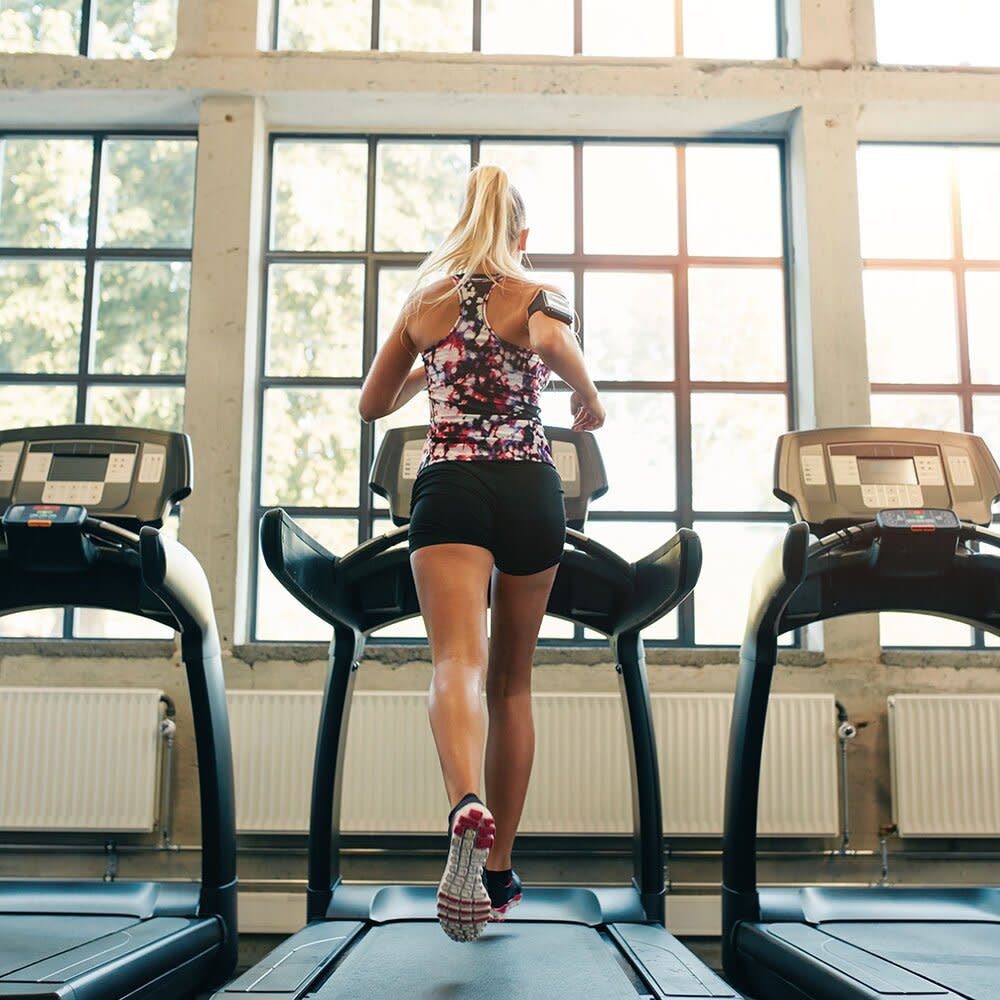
{"x":575,"y":453}
{"x":128,"y":474}
{"x":835,"y":477}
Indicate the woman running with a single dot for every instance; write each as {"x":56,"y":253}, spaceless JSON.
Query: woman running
{"x":487,"y":520}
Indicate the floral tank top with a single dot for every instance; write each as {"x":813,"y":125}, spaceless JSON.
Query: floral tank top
{"x":483,"y":391}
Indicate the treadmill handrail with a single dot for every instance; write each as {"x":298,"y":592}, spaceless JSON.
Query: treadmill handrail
{"x":832,"y":580}
{"x":172,"y":572}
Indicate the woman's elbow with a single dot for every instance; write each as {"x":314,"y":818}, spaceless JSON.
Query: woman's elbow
{"x":368,"y":411}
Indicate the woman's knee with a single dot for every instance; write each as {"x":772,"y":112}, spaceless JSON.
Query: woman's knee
{"x":458,"y":673}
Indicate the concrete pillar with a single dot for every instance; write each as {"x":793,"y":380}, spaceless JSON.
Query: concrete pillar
{"x":820,"y":33}
{"x":222,"y":349}
{"x":222,"y":27}
{"x":831,"y":350}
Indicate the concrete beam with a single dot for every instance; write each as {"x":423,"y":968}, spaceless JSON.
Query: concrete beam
{"x":515,"y":94}
{"x":222,"y":27}
{"x":222,"y":342}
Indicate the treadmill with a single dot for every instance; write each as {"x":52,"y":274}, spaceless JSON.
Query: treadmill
{"x":900,"y":518}
{"x":82,"y":508}
{"x":383,"y":941}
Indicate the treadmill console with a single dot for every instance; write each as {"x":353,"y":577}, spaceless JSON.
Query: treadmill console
{"x":122,"y":474}
{"x":836,"y":477}
{"x":575,"y":453}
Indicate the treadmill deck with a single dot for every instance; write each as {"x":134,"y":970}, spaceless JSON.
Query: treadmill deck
{"x":932,"y":959}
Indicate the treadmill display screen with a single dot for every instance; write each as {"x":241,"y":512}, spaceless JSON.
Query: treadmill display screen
{"x":888,"y":471}
{"x":78,"y":468}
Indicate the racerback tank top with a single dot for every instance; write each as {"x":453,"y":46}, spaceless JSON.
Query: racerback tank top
{"x":484,"y":392}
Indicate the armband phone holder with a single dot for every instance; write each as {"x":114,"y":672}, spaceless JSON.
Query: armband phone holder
{"x":552,"y":304}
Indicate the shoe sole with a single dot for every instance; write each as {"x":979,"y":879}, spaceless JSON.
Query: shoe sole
{"x":498,"y":914}
{"x":463,"y":905}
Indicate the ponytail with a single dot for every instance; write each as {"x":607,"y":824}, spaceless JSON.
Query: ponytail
{"x":483,"y":241}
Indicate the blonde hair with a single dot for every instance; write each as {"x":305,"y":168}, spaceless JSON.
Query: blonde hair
{"x":484,"y":240}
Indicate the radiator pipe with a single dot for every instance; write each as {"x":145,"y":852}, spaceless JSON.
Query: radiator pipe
{"x":846,"y":732}
{"x":168,"y":729}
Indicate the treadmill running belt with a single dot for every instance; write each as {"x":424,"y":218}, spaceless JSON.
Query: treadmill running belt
{"x":523,"y":961}
{"x":963,"y":957}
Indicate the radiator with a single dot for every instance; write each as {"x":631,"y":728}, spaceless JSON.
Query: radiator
{"x":945,"y":757}
{"x":84,"y":759}
{"x":580,"y":782}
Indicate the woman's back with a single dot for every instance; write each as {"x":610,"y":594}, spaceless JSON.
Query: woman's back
{"x":483,"y":379}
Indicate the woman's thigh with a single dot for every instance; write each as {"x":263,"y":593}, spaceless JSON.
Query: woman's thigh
{"x":452,"y":582}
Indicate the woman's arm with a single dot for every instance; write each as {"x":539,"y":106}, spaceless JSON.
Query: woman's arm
{"x":390,"y":382}
{"x":554,"y":343}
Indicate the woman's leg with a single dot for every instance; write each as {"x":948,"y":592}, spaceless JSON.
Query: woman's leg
{"x":452,"y":582}
{"x":517,"y":606}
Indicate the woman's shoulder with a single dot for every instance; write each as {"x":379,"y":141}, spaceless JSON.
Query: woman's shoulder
{"x":529,"y":286}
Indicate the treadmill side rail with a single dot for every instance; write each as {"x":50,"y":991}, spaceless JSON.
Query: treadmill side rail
{"x":293,"y":966}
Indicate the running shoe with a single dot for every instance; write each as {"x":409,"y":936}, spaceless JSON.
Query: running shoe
{"x":504,"y":893}
{"x":463,"y":904}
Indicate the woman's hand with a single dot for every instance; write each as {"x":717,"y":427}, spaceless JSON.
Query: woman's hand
{"x":588,"y":414}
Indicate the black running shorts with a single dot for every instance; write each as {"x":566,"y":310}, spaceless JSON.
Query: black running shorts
{"x":514,"y":509}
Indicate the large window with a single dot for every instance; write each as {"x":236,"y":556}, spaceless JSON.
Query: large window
{"x":95,"y":272}
{"x":930,"y":239}
{"x":720,"y":29}
{"x":105,"y":29}
{"x":674,"y":257}
{"x":931,"y":33}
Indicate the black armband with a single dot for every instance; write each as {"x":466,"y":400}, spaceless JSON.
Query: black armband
{"x":552,"y":304}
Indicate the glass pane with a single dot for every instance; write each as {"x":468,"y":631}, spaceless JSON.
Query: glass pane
{"x":900,"y":629}
{"x":734,"y":201}
{"x":394,"y":287}
{"x":910,"y":319}
{"x":44,"y":191}
{"x":978,"y":170}
{"x":419,"y":191}
{"x":324,"y":25}
{"x":137,"y":406}
{"x":100,"y":623}
{"x":736,"y":324}
{"x":412,"y":628}
{"x":315,"y":316}
{"x":543,"y":174}
{"x":45,"y":623}
{"x":632,"y":540}
{"x":147,"y":193}
{"x":555,"y":411}
{"x":134,"y":29}
{"x":982,"y":303}
{"x":647,"y":31}
{"x":41,"y":309}
{"x":986,"y":422}
{"x":318,"y":195}
{"x":731,"y":555}
{"x":638,"y":443}
{"x":629,"y":199}
{"x":142,"y":317}
{"x":730,"y":29}
{"x":426,"y":25}
{"x":311,"y":447}
{"x":732,"y":449}
{"x":921,"y":32}
{"x":279,"y":616}
{"x":941,"y":413}
{"x":904,"y":201}
{"x":30,"y":26}
{"x":555,"y":628}
{"x":628,"y":325}
{"x":528,"y":26}
{"x":37,"y":405}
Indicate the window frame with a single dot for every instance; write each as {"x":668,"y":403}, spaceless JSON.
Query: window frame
{"x":780,"y":30}
{"x":957,"y":265}
{"x":91,"y":255}
{"x":681,"y":387}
